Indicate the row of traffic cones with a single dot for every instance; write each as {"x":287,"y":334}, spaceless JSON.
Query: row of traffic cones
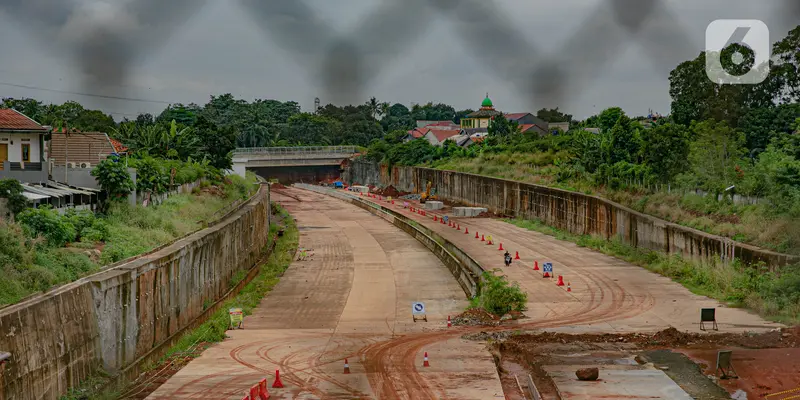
{"x":260,"y":391}
{"x":425,"y":362}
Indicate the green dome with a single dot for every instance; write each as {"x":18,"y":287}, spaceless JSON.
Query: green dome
{"x":487,"y":102}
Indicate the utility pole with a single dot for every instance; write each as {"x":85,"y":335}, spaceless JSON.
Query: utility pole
{"x":66,"y":152}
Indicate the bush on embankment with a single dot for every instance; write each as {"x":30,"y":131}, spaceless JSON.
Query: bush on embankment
{"x":499,"y":296}
{"x":774,"y":295}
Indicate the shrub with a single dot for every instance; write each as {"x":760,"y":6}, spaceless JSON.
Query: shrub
{"x":113,"y":178}
{"x":46,"y":222}
{"x":151,"y":176}
{"x":498,"y":296}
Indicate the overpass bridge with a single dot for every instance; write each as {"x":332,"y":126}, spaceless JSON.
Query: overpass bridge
{"x":292,"y":164}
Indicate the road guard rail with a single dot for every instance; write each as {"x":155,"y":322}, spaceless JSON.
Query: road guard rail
{"x":464,"y":268}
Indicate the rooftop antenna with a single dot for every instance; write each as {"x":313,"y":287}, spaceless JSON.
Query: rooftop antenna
{"x":316,"y":105}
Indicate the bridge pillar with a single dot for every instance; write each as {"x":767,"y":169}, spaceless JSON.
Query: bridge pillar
{"x":240,"y":168}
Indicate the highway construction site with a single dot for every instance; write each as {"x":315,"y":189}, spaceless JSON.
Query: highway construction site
{"x":340,"y":323}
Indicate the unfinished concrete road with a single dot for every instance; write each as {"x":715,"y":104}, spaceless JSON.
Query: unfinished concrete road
{"x":352,"y":296}
{"x":608,"y":294}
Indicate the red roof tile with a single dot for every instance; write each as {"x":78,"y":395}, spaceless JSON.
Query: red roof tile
{"x":442,"y":134}
{"x":418,"y":132}
{"x":515,"y":116}
{"x":118,"y":146}
{"x":13,"y":121}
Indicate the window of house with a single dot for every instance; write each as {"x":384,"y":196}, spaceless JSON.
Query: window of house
{"x":26,"y":152}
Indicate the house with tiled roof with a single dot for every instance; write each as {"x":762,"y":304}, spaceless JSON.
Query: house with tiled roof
{"x":22,"y":150}
{"x":529,"y":123}
{"x":80,"y":149}
{"x":437,"y":137}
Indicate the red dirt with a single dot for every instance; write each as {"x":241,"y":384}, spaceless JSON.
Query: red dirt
{"x":761,"y":372}
{"x":277,"y":185}
{"x":390,"y":191}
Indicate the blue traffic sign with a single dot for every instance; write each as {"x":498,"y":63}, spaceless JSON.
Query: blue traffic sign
{"x":547,"y":267}
{"x":418,"y":308}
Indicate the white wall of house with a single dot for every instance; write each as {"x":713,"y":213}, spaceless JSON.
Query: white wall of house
{"x":15,"y":142}
{"x":431,"y":138}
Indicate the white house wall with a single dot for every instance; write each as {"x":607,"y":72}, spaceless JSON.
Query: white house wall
{"x":15,"y":141}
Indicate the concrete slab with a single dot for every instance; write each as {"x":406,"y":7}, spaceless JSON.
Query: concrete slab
{"x":360,"y":189}
{"x":616,"y":383}
{"x":434,"y":205}
{"x":468,"y":211}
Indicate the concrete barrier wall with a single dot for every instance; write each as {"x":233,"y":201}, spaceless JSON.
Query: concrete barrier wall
{"x":464,"y":268}
{"x":570,"y":211}
{"x":114,"y":318}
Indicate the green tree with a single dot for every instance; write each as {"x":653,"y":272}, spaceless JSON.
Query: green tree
{"x":113,"y":178}
{"x":553,"y":115}
{"x":665,"y":149}
{"x":502,"y":128}
{"x":216,"y":141}
{"x":11,"y":190}
{"x":715,"y":155}
{"x":608,"y":118}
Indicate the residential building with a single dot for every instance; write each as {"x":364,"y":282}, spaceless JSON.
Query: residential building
{"x":529,"y":123}
{"x":480,"y":118}
{"x":81,"y":149}
{"x":444,"y":124}
{"x":22,"y":150}
{"x":554,"y":127}
{"x":437,"y":137}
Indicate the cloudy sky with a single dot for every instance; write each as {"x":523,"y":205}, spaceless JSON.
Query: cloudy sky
{"x":527,"y":54}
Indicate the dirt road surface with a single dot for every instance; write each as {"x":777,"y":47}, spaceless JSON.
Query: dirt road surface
{"x":608,"y":294}
{"x":351,"y":298}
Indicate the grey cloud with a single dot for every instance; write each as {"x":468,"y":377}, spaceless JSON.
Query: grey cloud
{"x":180,"y":52}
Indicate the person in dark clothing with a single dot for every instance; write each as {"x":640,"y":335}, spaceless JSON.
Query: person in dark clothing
{"x":507,"y":259}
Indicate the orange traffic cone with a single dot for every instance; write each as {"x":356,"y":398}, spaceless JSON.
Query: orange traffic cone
{"x":346,"y":367}
{"x":546,"y":275}
{"x":254,"y":392}
{"x":516,"y":257}
{"x":263,"y":392}
{"x":449,"y":324}
{"x":501,"y":247}
{"x":483,"y":238}
{"x":459,"y":227}
{"x":560,"y":281}
{"x":434,"y":219}
{"x":466,"y":230}
{"x":569,"y":288}
{"x":425,"y":362}
{"x":535,"y":265}
{"x":278,"y":384}
{"x":476,"y":234}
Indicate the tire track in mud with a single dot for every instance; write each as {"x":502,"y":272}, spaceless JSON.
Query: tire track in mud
{"x":381,"y":357}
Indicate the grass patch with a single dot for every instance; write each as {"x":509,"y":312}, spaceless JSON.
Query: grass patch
{"x":35,"y":256}
{"x":775,"y":296}
{"x":212,"y":331}
{"x":754,"y":224}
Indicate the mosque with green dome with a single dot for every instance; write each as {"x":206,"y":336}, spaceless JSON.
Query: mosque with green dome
{"x":480,"y":118}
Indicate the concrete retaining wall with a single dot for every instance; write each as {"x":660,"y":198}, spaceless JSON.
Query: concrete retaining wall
{"x":113,"y":319}
{"x":574,"y":212}
{"x":464,"y":268}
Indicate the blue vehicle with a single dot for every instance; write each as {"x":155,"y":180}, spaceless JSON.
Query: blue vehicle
{"x":338,"y":185}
